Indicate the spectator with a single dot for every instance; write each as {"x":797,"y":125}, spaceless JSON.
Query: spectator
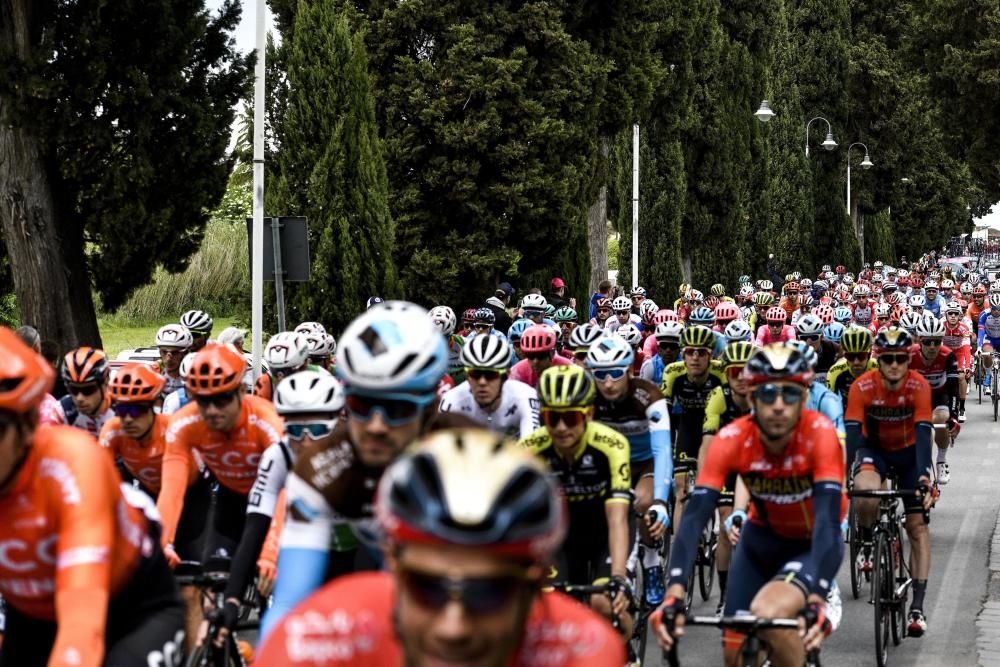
{"x":603,"y":292}
{"x":498,"y":304}
{"x":555,"y":296}
{"x":29,"y":336}
{"x":52,"y":353}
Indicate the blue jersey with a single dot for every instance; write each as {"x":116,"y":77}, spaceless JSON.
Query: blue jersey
{"x":989,"y":328}
{"x":934,"y":306}
{"x":827,"y":402}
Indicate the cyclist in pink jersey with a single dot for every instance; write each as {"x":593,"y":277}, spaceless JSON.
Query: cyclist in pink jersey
{"x":776,"y":330}
{"x":538,"y":352}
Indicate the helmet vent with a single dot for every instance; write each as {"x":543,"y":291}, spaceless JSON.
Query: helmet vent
{"x":373,"y":342}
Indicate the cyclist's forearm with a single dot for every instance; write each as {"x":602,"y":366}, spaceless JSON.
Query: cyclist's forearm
{"x":925,"y":436}
{"x":700,"y":505}
{"x":827,"y":545}
{"x":618,"y":536}
{"x":663,"y":464}
{"x":245,"y":559}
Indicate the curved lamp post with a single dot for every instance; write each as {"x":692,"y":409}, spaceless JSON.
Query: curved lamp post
{"x":828,"y":143}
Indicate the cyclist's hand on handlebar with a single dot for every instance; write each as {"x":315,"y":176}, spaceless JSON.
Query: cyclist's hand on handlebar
{"x":668,"y":620}
{"x":657,"y":520}
{"x":928,"y":493}
{"x":814,"y":625}
{"x":173,"y":560}
{"x":620,"y":590}
{"x":267,"y":574}
{"x":734,"y":524}
{"x":225,"y":621}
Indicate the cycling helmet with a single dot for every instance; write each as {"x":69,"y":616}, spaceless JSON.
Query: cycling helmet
{"x":320,"y":345}
{"x":953,"y":307}
{"x":892,"y":339}
{"x":444,"y":319}
{"x":550,"y":310}
{"x":610,"y":352}
{"x":373,"y":301}
{"x":893,"y":299}
{"x":745,"y":280}
{"x":233,"y":335}
{"x":931,"y":284}
{"x":392,"y":347}
{"x":470,"y":488}
{"x":930,"y":327}
{"x":737,"y":353}
{"x":738,"y":330}
{"x":807,"y":301}
{"x":766,"y":285}
{"x":695,"y":296}
{"x":917,"y":301}
{"x":979,"y":290}
{"x":763,"y":299}
{"x":791,"y":286}
{"x":484,"y":316}
{"x":185,"y":366}
{"x":966,"y":288}
{"x":621,"y":303}
{"x":517,"y":330}
{"x":307,"y":328}
{"x":909,"y":322}
{"x":718,"y":289}
{"x":776,"y":314}
{"x":648,"y":307}
{"x":538,"y":338}
{"x":630,"y":333}
{"x":535,"y":302}
{"x":883,"y":310}
{"x":806,"y":351}
{"x":841,"y":269}
{"x":726,"y":311}
{"x":746,"y":292}
{"x":826,"y":267}
{"x":561,"y":387}
{"x":805,"y":283}
{"x":856,"y":340}
{"x":683,"y":289}
{"x":638,"y":291}
{"x":585,"y":335}
{"x":308,"y":392}
{"x":878,"y":278}
{"x":833,"y":332}
{"x":861,"y":291}
{"x":809,"y":325}
{"x":824,"y":312}
{"x":286,"y":351}
{"x":994,"y":301}
{"x":490,"y":352}
{"x":216,"y":369}
{"x":974,"y":277}
{"x":565,"y":314}
{"x":174,"y":335}
{"x":25,"y":376}
{"x":669,"y":332}
{"x":136,"y":383}
{"x":702,"y":315}
{"x":843,"y":315}
{"x":697,"y":335}
{"x":197,"y":322}
{"x":468,"y":316}
{"x":947,"y":284}
{"x":848,"y":280}
{"x":778,"y":362}
{"x":85,"y":365}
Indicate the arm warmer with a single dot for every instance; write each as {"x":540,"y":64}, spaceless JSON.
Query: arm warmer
{"x":663,"y":460}
{"x":827,"y":545}
{"x":245,"y":558}
{"x":855,"y":441}
{"x":701,"y":504}
{"x":925,"y":435}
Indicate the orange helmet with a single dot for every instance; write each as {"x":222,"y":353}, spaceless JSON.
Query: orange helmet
{"x":136,"y":383}
{"x":218,"y":368}
{"x":25,"y":377}
{"x":85,"y":365}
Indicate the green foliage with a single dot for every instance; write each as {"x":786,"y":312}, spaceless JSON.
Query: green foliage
{"x":613,"y":245}
{"x":879,"y":241}
{"x":8,"y":300}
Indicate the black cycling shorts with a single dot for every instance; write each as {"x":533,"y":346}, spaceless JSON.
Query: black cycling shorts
{"x":902,"y":464}
{"x":229,"y":513}
{"x":582,"y":565}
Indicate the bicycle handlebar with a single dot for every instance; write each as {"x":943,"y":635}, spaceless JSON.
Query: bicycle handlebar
{"x":884,"y":493}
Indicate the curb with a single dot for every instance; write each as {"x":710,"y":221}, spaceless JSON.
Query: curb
{"x":988,"y":620}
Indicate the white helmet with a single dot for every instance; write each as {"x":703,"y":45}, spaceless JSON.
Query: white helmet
{"x":307,"y":328}
{"x":917,"y":301}
{"x":930,"y":327}
{"x":669,"y":331}
{"x":534,"y":302}
{"x":621,"y":303}
{"x":286,"y":351}
{"x":233,"y":336}
{"x":486,"y":352}
{"x":585,"y":335}
{"x":307,"y":392}
{"x":931,"y":284}
{"x":197,"y":320}
{"x":861,"y":290}
{"x":321,"y":344}
{"x":393,"y":346}
{"x":809,"y":325}
{"x":909,"y":322}
{"x":444,"y":319}
{"x":947,"y":284}
{"x":738,"y":330}
{"x":186,"y":365}
{"x":610,"y":352}
{"x":631,"y":334}
{"x":174,"y":335}
{"x":883,"y":310}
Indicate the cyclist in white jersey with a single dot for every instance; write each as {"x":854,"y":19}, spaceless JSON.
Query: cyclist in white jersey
{"x":622,"y":309}
{"x":87,"y":404}
{"x":173,"y":341}
{"x":488,"y":396}
{"x":177,"y":400}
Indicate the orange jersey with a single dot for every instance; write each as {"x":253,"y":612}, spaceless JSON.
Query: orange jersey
{"x":973,"y":311}
{"x":889,"y":418}
{"x":781,"y":487}
{"x":68,"y":536}
{"x":232,"y":457}
{"x":144,"y":460}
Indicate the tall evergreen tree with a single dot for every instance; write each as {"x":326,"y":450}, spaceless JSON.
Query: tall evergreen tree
{"x":331,"y":170}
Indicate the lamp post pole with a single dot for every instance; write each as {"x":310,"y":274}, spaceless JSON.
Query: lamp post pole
{"x":859,"y":226}
{"x":257,"y":268}
{"x":828,"y":143}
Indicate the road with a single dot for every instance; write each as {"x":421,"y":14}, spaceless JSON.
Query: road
{"x":961,"y":532}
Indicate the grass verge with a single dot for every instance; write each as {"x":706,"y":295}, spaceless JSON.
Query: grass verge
{"x":118,"y":336}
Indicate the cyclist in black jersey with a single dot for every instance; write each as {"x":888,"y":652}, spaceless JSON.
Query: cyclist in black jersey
{"x":857,"y":346}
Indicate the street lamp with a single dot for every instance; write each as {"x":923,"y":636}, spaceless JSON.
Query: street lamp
{"x":866,"y":164}
{"x":828,"y":143}
{"x":764,"y":113}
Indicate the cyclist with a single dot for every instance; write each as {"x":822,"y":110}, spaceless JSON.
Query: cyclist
{"x":633,"y":337}
{"x":939,"y":366}
{"x":833,"y":332}
{"x":538,"y":347}
{"x":86,"y":405}
{"x":602,"y":312}
{"x":857,"y":360}
{"x":933,"y":302}
{"x":889,"y":432}
{"x":706,"y":317}
{"x":776,"y":330}
{"x":565,"y":319}
{"x":790,"y":548}
{"x":199,"y":323}
{"x":989,"y":332}
{"x":487,"y":396}
{"x":467,"y":317}
{"x":637,"y":295}
{"x":173,"y":342}
{"x":454,"y":593}
{"x":309,"y":402}
{"x":861,"y":310}
{"x":738,"y":330}
{"x":763,"y":301}
{"x":687,"y":385}
{"x":177,"y":400}
{"x":790,"y":302}
{"x":821,"y":399}
{"x":622,"y":309}
{"x":591,"y":462}
{"x":321,"y":349}
{"x":809,"y":329}
{"x":306,"y":328}
{"x":482,"y":323}
{"x":286,"y":353}
{"x":635,"y":408}
{"x":373,"y":301}
{"x":668,"y":345}
{"x":581,"y":339}
{"x":978,"y":304}
{"x":514,"y":338}
{"x":83,"y":580}
{"x":957,"y":337}
{"x":533,"y":306}
{"x":726,"y":403}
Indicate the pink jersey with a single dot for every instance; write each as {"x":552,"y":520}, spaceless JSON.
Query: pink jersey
{"x":649,"y":347}
{"x":523,"y":372}
{"x":764,"y":336}
{"x":49,"y":412}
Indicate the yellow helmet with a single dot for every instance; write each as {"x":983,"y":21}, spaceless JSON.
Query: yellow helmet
{"x":566,"y":387}
{"x":683,"y":289}
{"x":698,"y":335}
{"x":737,"y":353}
{"x":856,"y":340}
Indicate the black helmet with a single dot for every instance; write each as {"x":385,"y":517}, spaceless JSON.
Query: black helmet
{"x":779,"y":362}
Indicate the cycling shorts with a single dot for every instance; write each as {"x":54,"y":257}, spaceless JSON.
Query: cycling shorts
{"x":229,"y":513}
{"x":641,"y":469}
{"x":582,"y":566}
{"x":901,"y":463}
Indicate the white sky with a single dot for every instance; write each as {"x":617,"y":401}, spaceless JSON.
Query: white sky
{"x":245,"y":31}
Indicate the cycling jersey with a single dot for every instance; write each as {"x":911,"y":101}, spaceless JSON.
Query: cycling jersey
{"x":687,"y":407}
{"x":515,"y":413}
{"x":765,"y":337}
{"x":175,"y":401}
{"x":143,"y":460}
{"x":989,"y":329}
{"x":827,"y":403}
{"x":351,"y":621}
{"x":839,"y":378}
{"x":826,"y":358}
{"x":790,"y":307}
{"x":70,"y":415}
{"x":232,"y":457}
{"x":523,"y":372}
{"x":173,"y":383}
{"x":958,"y":338}
{"x":863,"y":315}
{"x":611,"y":324}
{"x":49,"y":411}
{"x":721,"y":410}
{"x":974,"y":312}
{"x":455,"y":366}
{"x":934,"y":306}
{"x":941,"y":374}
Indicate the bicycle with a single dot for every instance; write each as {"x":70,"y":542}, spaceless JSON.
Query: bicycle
{"x":753,"y":645}
{"x":704,"y":563}
{"x":211,"y":579}
{"x":890,"y":573}
{"x":978,"y":374}
{"x":583,"y":592}
{"x":642,"y":609}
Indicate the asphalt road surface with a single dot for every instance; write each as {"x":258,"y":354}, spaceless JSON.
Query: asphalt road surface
{"x":961,"y":532}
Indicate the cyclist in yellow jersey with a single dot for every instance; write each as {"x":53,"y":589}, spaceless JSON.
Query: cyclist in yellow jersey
{"x":856,"y":345}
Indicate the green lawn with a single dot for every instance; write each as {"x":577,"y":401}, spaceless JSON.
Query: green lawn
{"x":117,"y":337}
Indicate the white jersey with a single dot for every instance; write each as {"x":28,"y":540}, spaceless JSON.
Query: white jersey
{"x":71,"y":416}
{"x":612,"y":324}
{"x":515,"y":415}
{"x":173,"y":384}
{"x":175,"y":401}
{"x":272,"y":471}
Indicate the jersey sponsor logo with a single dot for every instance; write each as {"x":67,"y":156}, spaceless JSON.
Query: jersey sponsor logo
{"x":237,"y":460}
{"x":18,"y":556}
{"x":256,"y":493}
{"x":178,"y":425}
{"x":337,"y":635}
{"x":780,"y":490}
{"x":61,"y":473}
{"x":83,"y":555}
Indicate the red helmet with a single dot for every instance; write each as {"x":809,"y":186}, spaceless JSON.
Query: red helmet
{"x":538,"y":338}
{"x":841,"y":269}
{"x":893,"y":298}
{"x":791,"y":287}
{"x":603,"y":302}
{"x":25,"y":376}
{"x":469,"y":315}
{"x":897,"y":312}
{"x":216,"y":369}
{"x":776,"y":314}
{"x":711,"y":301}
{"x":726,"y":311}
{"x":136,"y":383}
{"x":980,"y":290}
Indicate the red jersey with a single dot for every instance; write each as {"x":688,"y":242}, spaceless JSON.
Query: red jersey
{"x":938,"y":372}
{"x":350,"y":622}
{"x":889,"y":418}
{"x":973,"y":311}
{"x":781,"y":487}
{"x":959,"y":338}
{"x":144,"y":460}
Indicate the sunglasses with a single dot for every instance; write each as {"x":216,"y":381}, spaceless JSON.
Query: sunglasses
{"x":479,"y":596}
{"x":396,"y":409}
{"x":172,"y":351}
{"x":482,"y":327}
{"x":933,"y":342}
{"x":733,"y":372}
{"x":218,"y":400}
{"x":695,"y":352}
{"x":604,"y":311}
{"x":133,"y":410}
{"x":602,"y":374}
{"x":580,"y":354}
{"x":810,"y":338}
{"x":857,"y":356}
{"x":314,"y":429}
{"x":668,"y":346}
{"x":571,"y":417}
{"x":200,"y":334}
{"x":537,"y":356}
{"x":487,"y":374}
{"x":891,"y":359}
{"x":82,"y":389}
{"x":769,"y":393}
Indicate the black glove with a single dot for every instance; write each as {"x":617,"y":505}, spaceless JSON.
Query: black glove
{"x":814,"y":613}
{"x":228,"y":615}
{"x":668,"y":612}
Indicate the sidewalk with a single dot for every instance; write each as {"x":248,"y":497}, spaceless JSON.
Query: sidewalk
{"x":988,"y":621}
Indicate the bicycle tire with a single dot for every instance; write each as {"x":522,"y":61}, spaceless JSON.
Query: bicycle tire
{"x":203,"y":656}
{"x":854,"y":545}
{"x":882,"y":575}
{"x":637,"y":642}
{"x":706,"y":569}
{"x":899,"y":608}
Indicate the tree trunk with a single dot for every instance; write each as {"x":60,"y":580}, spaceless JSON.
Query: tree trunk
{"x":597,"y":227}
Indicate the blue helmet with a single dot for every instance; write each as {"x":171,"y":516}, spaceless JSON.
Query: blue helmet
{"x":833,"y":332}
{"x":517,"y":329}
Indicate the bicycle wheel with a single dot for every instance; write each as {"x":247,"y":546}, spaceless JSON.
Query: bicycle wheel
{"x":706,"y":566}
{"x":854,"y":543}
{"x":902,"y":574}
{"x":882,"y":576}
{"x":208,"y":656}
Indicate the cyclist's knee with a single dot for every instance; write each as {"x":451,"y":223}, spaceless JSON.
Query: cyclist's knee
{"x":777,"y":599}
